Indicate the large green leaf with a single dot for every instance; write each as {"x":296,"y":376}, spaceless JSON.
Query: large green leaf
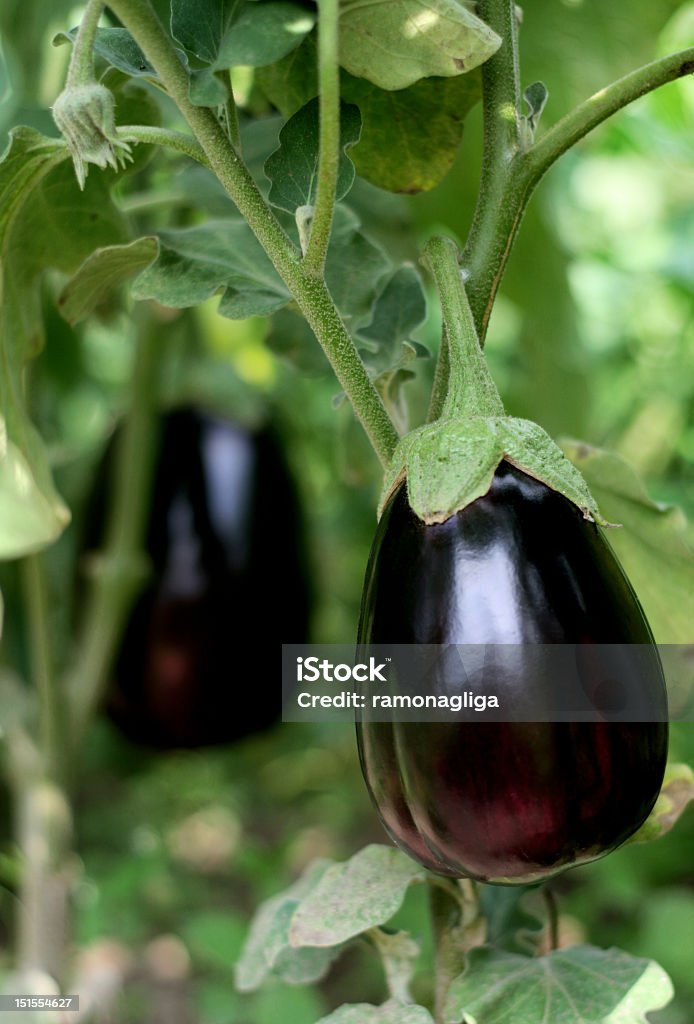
{"x":394,"y":43}
{"x":226,"y":33}
{"x":353,"y":897}
{"x":652,"y":543}
{"x":581,"y":985}
{"x":293,"y":168}
{"x":45,"y":222}
{"x":217,"y":256}
{"x":223,"y":256}
{"x":268,"y":952}
{"x":409,"y":137}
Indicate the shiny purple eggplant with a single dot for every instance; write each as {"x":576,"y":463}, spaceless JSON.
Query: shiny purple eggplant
{"x":508,"y":801}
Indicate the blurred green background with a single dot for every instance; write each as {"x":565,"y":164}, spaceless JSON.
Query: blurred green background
{"x":593,"y":337}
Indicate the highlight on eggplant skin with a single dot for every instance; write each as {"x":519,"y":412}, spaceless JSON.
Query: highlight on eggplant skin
{"x":230,"y":578}
{"x":509,"y":802}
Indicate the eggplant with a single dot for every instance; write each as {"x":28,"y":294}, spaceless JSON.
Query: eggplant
{"x":508,"y":801}
{"x":229,"y":582}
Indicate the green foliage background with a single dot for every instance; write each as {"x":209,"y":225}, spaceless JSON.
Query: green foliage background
{"x":593,"y":336}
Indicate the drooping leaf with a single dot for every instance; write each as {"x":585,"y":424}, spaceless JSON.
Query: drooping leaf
{"x":389,"y":1013}
{"x":353,"y":897}
{"x":394,"y":43}
{"x":101,"y":273}
{"x":581,"y":985}
{"x":409,"y":138}
{"x":293,"y":168}
{"x":675,"y":796}
{"x":45,"y":222}
{"x":652,"y":543}
{"x":291,"y":338}
{"x":267,"y":951}
{"x":118,"y":48}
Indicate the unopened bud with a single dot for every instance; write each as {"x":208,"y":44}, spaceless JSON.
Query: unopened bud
{"x":85,"y":115}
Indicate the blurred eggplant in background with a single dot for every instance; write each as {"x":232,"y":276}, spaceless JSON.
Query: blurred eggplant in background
{"x":229,"y":583}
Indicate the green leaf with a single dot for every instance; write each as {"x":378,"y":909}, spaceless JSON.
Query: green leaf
{"x":389,"y":1013}
{"x":509,"y":925}
{"x":218,"y":256}
{"x":201,"y":27}
{"x":581,"y":985}
{"x":118,"y":48}
{"x":263,"y":33}
{"x":101,"y":273}
{"x":394,"y":43}
{"x":45,"y":222}
{"x":293,"y":168}
{"x":355,"y":269}
{"x":291,"y":82}
{"x":227,"y":33}
{"x":652,"y":544}
{"x":268,"y":952}
{"x":353,"y":897}
{"x":676,"y":794}
{"x":386,"y":345}
{"x":409,"y":138}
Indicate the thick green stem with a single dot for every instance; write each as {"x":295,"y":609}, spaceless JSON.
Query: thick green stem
{"x":603,"y":104}
{"x":121,"y":568}
{"x":81,"y":69}
{"x":471,"y":390}
{"x":329,"y":136}
{"x":311,"y":294}
{"x":510,"y":177}
{"x":50,"y":705}
{"x":484,"y":252}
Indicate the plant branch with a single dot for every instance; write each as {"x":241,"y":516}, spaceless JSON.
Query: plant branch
{"x":179,"y":142}
{"x":50,"y":717}
{"x":471,"y":390}
{"x":329,"y":136}
{"x":311,"y":293}
{"x":603,"y":104}
{"x":484,"y":250}
{"x":121,"y":568}
{"x":81,"y":68}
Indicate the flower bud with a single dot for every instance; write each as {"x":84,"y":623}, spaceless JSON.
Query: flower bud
{"x":85,"y":115}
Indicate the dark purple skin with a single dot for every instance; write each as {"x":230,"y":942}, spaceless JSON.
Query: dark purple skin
{"x":229,"y":573}
{"x":507,"y":802}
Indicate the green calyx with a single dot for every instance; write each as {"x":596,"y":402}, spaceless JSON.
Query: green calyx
{"x":450,"y":463}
